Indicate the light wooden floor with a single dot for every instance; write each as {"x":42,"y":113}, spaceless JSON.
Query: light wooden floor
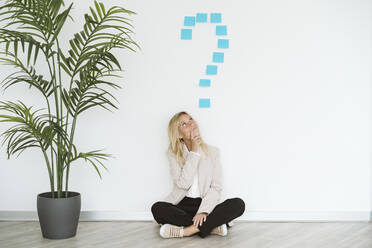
{"x":242,"y":234}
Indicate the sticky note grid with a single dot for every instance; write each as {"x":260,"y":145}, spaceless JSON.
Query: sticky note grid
{"x":222,"y":44}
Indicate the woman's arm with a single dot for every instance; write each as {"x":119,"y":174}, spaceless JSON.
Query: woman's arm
{"x":183,"y":177}
{"x":210,"y":200}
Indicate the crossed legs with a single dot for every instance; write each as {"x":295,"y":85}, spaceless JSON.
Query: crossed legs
{"x":183,"y":213}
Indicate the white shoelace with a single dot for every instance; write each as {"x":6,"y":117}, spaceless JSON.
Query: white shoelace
{"x":176,"y":231}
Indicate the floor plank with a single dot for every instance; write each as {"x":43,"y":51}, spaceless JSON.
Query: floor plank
{"x":242,"y":234}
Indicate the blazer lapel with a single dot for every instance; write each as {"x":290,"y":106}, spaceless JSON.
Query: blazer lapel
{"x":200,"y":151}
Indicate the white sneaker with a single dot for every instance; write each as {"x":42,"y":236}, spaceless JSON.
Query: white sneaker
{"x":171,"y":231}
{"x":231,"y":223}
{"x":220,"y":230}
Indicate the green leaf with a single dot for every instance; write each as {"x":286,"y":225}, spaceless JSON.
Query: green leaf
{"x":29,"y":53}
{"x":103,"y":8}
{"x":36,"y":52}
{"x":16,"y":47}
{"x":60,"y":21}
{"x":7,"y":47}
{"x":94,"y":14}
{"x":98,"y":9}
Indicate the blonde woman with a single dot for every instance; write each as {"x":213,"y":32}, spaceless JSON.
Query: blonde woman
{"x":193,"y":206}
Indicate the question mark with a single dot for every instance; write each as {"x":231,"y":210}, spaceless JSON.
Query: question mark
{"x":218,"y":57}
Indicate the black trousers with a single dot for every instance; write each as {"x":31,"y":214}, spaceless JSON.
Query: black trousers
{"x":183,"y":213}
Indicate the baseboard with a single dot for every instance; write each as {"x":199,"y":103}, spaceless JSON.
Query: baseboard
{"x":256,"y":216}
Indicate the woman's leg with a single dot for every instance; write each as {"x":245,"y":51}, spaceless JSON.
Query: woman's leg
{"x":167,"y":213}
{"x":223,"y":213}
{"x":191,"y":206}
{"x":179,"y":215}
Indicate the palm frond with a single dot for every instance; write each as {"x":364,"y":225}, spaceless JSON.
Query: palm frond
{"x":39,"y":18}
{"x":103,"y":30}
{"x":60,"y":20}
{"x":89,"y":94}
{"x":26,"y":75}
{"x":94,"y":158}
{"x":17,"y":39}
{"x":30,"y":15}
{"x":30,"y":129}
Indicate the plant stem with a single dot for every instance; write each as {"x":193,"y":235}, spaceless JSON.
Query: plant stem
{"x":51,"y":148}
{"x":51,"y":179}
{"x":61,"y":111}
{"x":70,"y":147}
{"x":55,"y":92}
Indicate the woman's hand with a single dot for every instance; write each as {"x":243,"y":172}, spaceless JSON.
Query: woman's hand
{"x":195,"y":139}
{"x":199,"y":219}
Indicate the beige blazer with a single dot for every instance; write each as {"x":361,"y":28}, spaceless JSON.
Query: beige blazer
{"x":209,"y":175}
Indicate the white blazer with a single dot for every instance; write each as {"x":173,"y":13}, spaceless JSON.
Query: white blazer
{"x":209,"y":176}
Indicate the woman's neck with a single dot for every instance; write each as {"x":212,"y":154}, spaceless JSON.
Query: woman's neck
{"x":188,"y":144}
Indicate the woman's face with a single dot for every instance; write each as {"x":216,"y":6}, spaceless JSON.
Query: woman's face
{"x":186,"y":124}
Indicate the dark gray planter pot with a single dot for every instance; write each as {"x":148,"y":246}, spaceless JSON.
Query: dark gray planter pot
{"x":58,"y":217}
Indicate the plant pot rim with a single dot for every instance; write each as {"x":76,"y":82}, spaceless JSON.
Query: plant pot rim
{"x":47,"y":195}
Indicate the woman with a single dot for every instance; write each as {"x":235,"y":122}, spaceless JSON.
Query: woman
{"x":194,"y":205}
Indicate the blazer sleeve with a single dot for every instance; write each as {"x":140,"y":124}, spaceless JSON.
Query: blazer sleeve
{"x":211,"y":199}
{"x":183,"y":176}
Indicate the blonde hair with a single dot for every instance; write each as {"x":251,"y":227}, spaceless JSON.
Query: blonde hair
{"x":175,"y":144}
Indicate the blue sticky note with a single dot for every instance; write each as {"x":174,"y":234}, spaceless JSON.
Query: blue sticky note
{"x":218,"y":57}
{"x":186,"y":34}
{"x":221,"y":30}
{"x":223,"y":43}
{"x":216,"y":17}
{"x":211,"y":70}
{"x":201,"y":17}
{"x":204,"y":83}
{"x":189,"y":21}
{"x":204,"y":103}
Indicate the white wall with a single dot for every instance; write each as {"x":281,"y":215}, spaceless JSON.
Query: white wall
{"x":291,"y":111}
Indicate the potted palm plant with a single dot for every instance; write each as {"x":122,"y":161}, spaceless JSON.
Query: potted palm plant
{"x":77,"y":81}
